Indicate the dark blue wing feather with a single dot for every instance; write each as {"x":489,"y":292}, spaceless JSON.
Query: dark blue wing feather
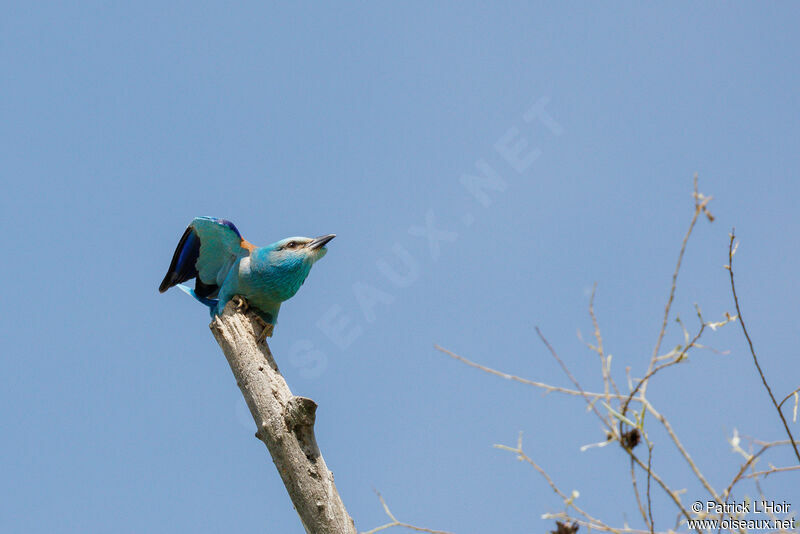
{"x":182,"y":267}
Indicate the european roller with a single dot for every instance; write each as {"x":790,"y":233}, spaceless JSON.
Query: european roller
{"x":225,"y":265}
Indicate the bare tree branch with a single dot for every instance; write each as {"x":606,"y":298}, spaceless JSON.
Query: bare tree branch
{"x":285,"y":424}
{"x":731,"y":252}
{"x":649,"y":476}
{"x":569,"y":500}
{"x":669,"y":491}
{"x":588,"y":400}
{"x":700,"y":206}
{"x":636,"y":491}
{"x":605,"y":361}
{"x":766,"y":472}
{"x":637,"y":393}
{"x":396,"y":523}
{"x":546,"y":387}
{"x":787,"y":397}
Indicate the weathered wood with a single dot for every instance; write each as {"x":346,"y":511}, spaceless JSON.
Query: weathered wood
{"x":285,"y":424}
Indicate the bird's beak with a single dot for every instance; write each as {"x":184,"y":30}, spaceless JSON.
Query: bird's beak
{"x":320,"y":241}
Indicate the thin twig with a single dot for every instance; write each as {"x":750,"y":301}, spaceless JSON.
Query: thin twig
{"x":752,"y":350}
{"x":636,"y":492}
{"x":787,"y":397}
{"x":604,"y":362}
{"x":771,"y":443}
{"x":541,"y":385}
{"x":396,"y":523}
{"x":649,"y":476}
{"x":766,"y":472}
{"x":633,"y":456}
{"x":738,"y":477}
{"x":573,"y":379}
{"x":673,"y":495}
{"x":679,"y":358}
{"x":655,"y":370}
{"x":569,"y":500}
{"x":700,"y":203}
{"x":663,"y":420}
{"x":645,"y":402}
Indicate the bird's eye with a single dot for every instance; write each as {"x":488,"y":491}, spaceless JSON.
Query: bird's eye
{"x":291,"y":244}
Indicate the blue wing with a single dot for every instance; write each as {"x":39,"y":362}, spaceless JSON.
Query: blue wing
{"x":206,"y":252}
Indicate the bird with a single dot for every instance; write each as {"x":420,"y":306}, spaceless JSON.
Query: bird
{"x":225,"y":267}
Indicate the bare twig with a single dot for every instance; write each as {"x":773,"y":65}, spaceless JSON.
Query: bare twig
{"x":700,"y":206}
{"x":610,"y":392}
{"x":541,"y":385}
{"x":585,"y":394}
{"x":731,"y":251}
{"x":569,"y":500}
{"x":738,"y":477}
{"x":636,"y":491}
{"x":672,"y":493}
{"x":396,"y":523}
{"x":589,"y":402}
{"x":649,"y":476}
{"x":604,"y":360}
{"x":787,"y":397}
{"x":665,"y":423}
{"x":767,"y":472}
{"x":679,"y":358}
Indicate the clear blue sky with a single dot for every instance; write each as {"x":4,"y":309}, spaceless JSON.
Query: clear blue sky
{"x":119,"y":123}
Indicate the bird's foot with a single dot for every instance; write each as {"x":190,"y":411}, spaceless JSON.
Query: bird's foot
{"x":265,"y":332}
{"x":241,"y":303}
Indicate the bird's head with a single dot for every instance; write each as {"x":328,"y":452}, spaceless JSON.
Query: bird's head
{"x":284,"y":265}
{"x":300,"y":249}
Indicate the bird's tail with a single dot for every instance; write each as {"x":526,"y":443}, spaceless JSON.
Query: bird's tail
{"x":211,"y":303}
